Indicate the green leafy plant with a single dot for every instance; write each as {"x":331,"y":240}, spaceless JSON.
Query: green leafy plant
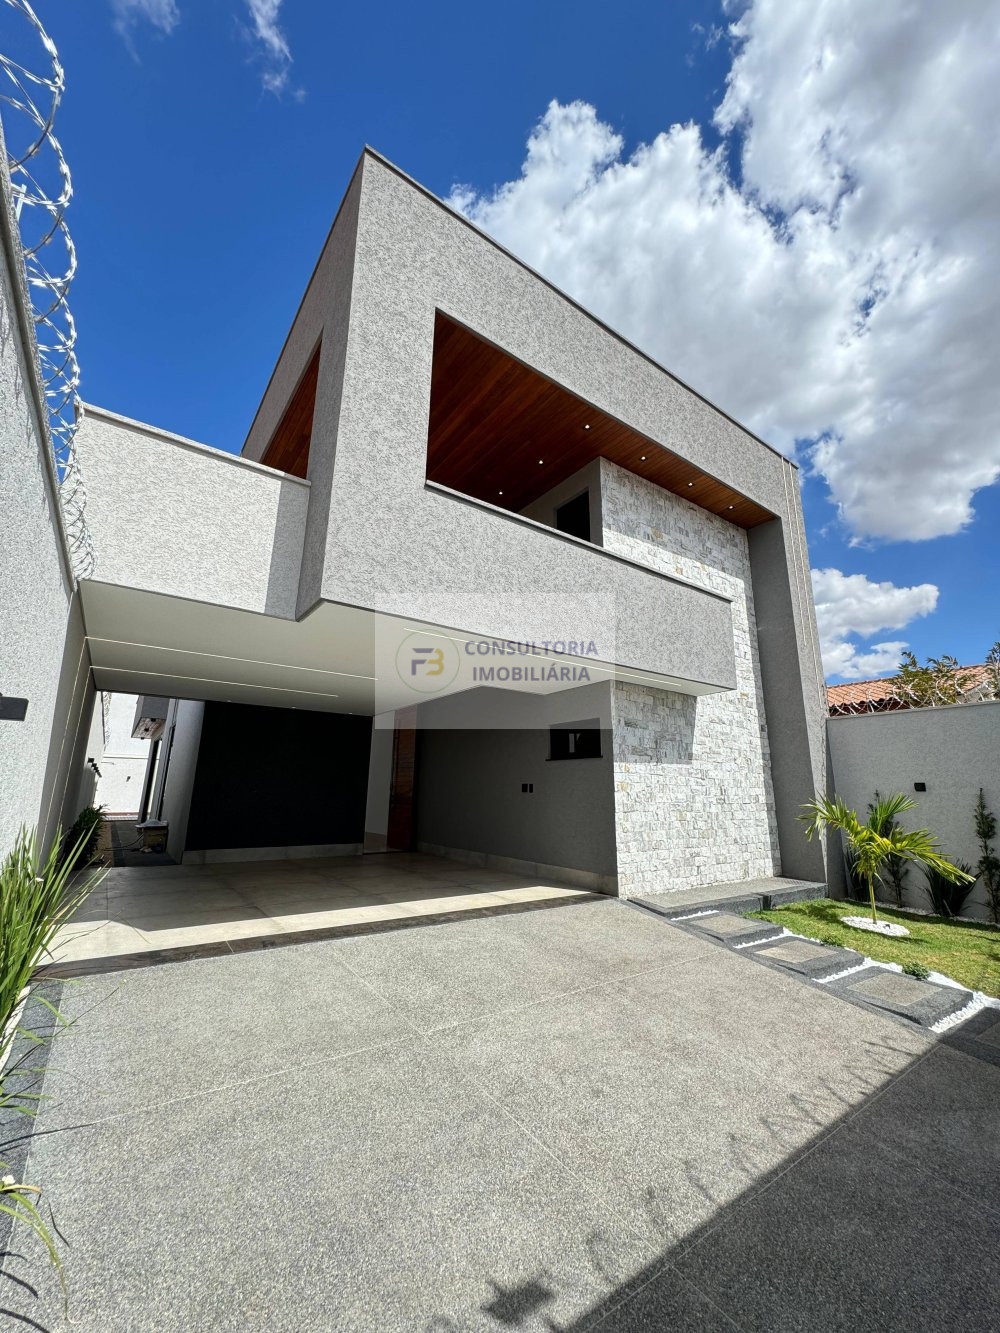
{"x":80,"y":841}
{"x":988,"y":865}
{"x":938,"y":682}
{"x":993,"y":669}
{"x":948,"y":896}
{"x":17,"y":1202}
{"x":37,"y":895}
{"x":871,"y":848}
{"x":918,"y":970}
{"x":36,"y":898}
{"x":894,"y":874}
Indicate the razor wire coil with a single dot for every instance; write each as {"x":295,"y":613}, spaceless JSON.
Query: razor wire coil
{"x":42,"y":188}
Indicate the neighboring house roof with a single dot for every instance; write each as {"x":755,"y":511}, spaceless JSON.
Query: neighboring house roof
{"x":880,"y":696}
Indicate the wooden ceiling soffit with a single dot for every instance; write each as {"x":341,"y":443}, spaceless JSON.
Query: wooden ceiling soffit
{"x":504,"y":433}
{"x":288,"y":450}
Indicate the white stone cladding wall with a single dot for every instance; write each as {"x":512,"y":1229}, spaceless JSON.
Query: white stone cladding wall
{"x":693,"y":797}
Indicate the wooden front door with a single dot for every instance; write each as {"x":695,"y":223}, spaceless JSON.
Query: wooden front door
{"x":401,"y":831}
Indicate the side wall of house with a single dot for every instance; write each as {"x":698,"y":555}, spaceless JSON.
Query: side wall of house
{"x":955,"y":751}
{"x":44,"y":655}
{"x":693,"y":796}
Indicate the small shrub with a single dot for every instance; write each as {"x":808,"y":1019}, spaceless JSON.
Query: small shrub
{"x":917,"y":970}
{"x":948,"y":898}
{"x":81,"y":839}
{"x":830,"y":940}
{"x":988,"y":865}
{"x":35,"y":900}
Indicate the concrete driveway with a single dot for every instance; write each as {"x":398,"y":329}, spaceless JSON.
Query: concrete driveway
{"x":570,"y":1118}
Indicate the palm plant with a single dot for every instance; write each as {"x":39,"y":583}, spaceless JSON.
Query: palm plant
{"x":948,"y":897}
{"x":872,"y":843}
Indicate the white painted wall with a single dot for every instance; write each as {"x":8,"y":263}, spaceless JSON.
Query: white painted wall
{"x":175,"y":780}
{"x":121,"y":758}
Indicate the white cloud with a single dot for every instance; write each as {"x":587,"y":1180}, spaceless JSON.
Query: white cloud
{"x":162,"y":14}
{"x":849,"y":605}
{"x":272,"y":49}
{"x":276,"y":54}
{"x":845,"y":292}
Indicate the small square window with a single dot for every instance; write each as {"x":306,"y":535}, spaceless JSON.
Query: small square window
{"x":576,"y":740}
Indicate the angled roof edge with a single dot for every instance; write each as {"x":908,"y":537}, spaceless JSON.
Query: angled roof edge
{"x":369,"y":151}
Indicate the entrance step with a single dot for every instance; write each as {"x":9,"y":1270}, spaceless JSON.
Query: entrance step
{"x":748,"y":895}
{"x":732,"y":929}
{"x":808,"y":958}
{"x":920,"y":1001}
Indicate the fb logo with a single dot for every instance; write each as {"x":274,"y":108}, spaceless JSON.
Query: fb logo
{"x":427,"y":666}
{"x":428,"y":660}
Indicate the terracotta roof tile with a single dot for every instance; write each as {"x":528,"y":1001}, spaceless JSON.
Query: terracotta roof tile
{"x":876,"y":696}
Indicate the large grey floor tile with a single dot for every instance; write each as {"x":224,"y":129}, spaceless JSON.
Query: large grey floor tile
{"x":796,"y":1034}
{"x":460,"y":971}
{"x":855,"y":1237}
{"x":377,"y":1192}
{"x":148,"y":1036}
{"x":670,"y":1103}
{"x":945,"y":1115}
{"x":663,"y":1303}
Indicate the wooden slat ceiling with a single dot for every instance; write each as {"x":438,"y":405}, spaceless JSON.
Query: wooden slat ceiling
{"x":501,"y":432}
{"x":288,"y":450}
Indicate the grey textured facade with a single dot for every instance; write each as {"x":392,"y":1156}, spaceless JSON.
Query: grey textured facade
{"x":221,"y":579}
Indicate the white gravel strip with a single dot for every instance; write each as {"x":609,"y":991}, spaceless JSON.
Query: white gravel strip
{"x":978,"y":1001}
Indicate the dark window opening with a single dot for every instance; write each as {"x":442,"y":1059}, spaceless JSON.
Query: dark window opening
{"x":574,"y":517}
{"x":576,"y":740}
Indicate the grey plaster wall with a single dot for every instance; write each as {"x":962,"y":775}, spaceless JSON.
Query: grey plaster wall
{"x":324,"y":317}
{"x":172,"y":516}
{"x":954,"y":750}
{"x":791,"y":680}
{"x":543,"y":510}
{"x":468,"y":791}
{"x":36,"y":626}
{"x":397,"y":545}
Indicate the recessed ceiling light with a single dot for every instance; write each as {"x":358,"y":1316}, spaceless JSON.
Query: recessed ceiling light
{"x":499,"y":492}
{"x":587,"y":427}
{"x":642,"y":458}
{"x":690,"y":483}
{"x":541,"y":462}
{"x":730,"y":506}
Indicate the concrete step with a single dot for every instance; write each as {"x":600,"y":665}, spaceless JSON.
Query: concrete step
{"x":751,"y":895}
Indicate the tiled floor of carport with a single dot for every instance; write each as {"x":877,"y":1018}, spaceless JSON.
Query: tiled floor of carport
{"x":148,"y":909}
{"x":570,"y":1119}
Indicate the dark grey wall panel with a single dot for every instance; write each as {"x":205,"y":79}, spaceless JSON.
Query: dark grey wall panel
{"x":469,"y":797}
{"x":276,"y":777}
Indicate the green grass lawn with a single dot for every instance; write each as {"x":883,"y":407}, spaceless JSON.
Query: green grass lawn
{"x":968,"y":952}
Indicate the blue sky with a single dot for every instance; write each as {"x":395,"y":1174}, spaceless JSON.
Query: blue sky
{"x":208,"y":161}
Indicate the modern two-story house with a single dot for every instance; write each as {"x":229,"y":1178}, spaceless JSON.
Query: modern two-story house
{"x":485,"y":581}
